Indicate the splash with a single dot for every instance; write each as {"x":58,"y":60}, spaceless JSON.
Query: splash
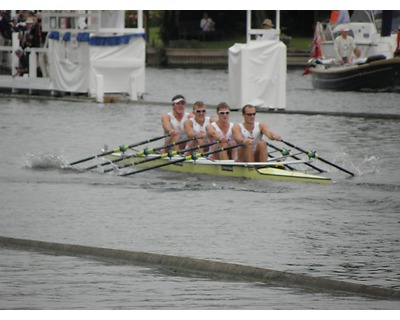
{"x":45,"y":161}
{"x":368,"y":166}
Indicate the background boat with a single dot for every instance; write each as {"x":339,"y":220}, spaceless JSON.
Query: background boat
{"x":376,"y":35}
{"x":379,"y":75}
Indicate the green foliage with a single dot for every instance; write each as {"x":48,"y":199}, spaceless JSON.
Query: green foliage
{"x":164,"y":27}
{"x":300,"y":43}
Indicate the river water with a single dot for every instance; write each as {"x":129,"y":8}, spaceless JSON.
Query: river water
{"x":343,"y":231}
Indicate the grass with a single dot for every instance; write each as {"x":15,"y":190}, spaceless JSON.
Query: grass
{"x":300,"y":44}
{"x":297,"y":43}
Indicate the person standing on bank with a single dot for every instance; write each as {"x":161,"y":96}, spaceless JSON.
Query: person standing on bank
{"x":172,"y":122}
{"x":206,"y":23}
{"x":196,"y":126}
{"x":222,"y":130}
{"x":344,"y":46}
{"x":250,"y":133}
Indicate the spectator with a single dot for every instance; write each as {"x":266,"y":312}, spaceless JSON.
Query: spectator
{"x":23,"y":64}
{"x":269,"y":32}
{"x":5,"y":26}
{"x":356,"y":59}
{"x":207,"y":24}
{"x":344,"y":46}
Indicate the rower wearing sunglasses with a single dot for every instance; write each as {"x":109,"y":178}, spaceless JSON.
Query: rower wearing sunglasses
{"x":222,"y":130}
{"x":196,"y":126}
{"x":250,"y":133}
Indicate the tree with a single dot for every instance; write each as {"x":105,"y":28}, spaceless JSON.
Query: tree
{"x":169,"y":26}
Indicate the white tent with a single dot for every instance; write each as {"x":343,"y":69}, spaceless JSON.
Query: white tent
{"x":121,"y":67}
{"x":257,"y":74}
{"x":69,"y":63}
{"x":97,"y":64}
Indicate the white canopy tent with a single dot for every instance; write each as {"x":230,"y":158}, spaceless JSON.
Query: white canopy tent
{"x":257,"y":71}
{"x":98,"y":65}
{"x":257,"y":74}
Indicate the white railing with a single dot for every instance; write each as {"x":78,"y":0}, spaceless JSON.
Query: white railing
{"x":86,"y":20}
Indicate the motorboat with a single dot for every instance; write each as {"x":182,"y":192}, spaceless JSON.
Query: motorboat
{"x":377,"y":36}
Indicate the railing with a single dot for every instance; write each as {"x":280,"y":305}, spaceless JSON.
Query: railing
{"x":62,"y":21}
{"x":252,"y":33}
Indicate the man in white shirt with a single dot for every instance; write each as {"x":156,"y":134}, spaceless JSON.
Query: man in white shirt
{"x":344,"y":46}
{"x":207,"y":24}
{"x":269,"y":33}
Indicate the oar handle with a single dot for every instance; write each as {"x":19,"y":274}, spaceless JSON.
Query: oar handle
{"x":164,"y":155}
{"x":193,"y":156}
{"x":177,"y":152}
{"x":317,"y":157}
{"x":145,"y":151}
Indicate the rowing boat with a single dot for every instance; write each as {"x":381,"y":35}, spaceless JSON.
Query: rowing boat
{"x":271,"y":170}
{"x":199,"y":163}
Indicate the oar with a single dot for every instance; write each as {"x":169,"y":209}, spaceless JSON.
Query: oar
{"x":193,"y":156}
{"x":122,"y":148}
{"x":145,"y":151}
{"x":273,"y":158}
{"x":169,"y":154}
{"x":313,"y":154}
{"x":287,"y":153}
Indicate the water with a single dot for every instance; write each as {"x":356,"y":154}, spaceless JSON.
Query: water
{"x":345,"y":231}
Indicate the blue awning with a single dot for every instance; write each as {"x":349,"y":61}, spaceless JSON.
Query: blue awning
{"x":113,"y":40}
{"x":67,"y":36}
{"x":83,"y":37}
{"x":55,"y":35}
{"x":96,"y":40}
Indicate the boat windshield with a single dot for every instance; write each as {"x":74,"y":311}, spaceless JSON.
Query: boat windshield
{"x":370,"y":16}
{"x":362,"y":16}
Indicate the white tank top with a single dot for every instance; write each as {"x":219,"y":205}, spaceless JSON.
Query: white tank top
{"x":178,"y":125}
{"x":197,"y":127}
{"x":256,"y":134}
{"x":228,"y":134}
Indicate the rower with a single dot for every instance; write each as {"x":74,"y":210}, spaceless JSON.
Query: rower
{"x":221,"y":130}
{"x":172,"y":122}
{"x":250,"y":134}
{"x":196,"y":126}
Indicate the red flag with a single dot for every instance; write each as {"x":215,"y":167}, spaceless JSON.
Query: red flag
{"x":316,"y":44}
{"x":316,"y":48}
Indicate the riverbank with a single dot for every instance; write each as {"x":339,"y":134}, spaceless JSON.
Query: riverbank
{"x":208,"y":58}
